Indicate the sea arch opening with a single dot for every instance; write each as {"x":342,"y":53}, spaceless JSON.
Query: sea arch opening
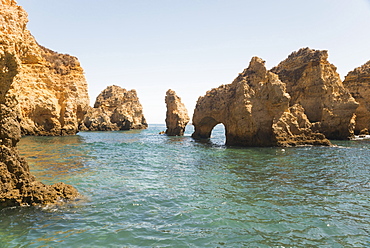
{"x":210,"y":129}
{"x":218,"y":134}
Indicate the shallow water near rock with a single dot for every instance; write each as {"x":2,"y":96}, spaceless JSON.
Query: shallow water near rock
{"x":142,"y":189}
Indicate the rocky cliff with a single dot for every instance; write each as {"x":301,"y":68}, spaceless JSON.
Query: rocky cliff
{"x":115,"y":109}
{"x":255,"y":112}
{"x":313,"y":82}
{"x":358,"y":84}
{"x":51,"y":90}
{"x":176,"y":116}
{"x":18,"y":50}
{"x":52,"y":94}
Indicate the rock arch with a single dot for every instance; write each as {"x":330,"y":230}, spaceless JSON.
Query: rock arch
{"x":205,"y":127}
{"x":255,"y":112}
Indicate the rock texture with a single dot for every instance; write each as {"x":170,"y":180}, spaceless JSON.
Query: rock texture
{"x":176,"y":116}
{"x":115,"y":109}
{"x":294,"y":129}
{"x":17,"y":51}
{"x":52,"y":94}
{"x":313,"y":82}
{"x":255,"y":112}
{"x":358,"y":84}
{"x":51,"y":90}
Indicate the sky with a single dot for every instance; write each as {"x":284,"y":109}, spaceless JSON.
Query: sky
{"x":195,"y":45}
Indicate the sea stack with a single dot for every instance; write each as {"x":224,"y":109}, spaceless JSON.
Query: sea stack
{"x":176,"y":116}
{"x":115,"y":109}
{"x":313,"y":82}
{"x":19,"y":53}
{"x":255,"y":112}
{"x":358,"y":84}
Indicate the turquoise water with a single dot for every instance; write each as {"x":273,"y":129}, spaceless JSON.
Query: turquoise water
{"x":141,"y":189}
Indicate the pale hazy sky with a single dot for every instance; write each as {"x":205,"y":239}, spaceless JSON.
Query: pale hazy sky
{"x":194,"y":45}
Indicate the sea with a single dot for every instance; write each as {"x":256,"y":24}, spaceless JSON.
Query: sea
{"x":142,"y":189}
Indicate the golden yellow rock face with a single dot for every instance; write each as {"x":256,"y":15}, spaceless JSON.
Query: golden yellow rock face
{"x":358,"y":83}
{"x":21,"y":62}
{"x":52,"y":94}
{"x":115,"y":108}
{"x":255,"y":112}
{"x":313,"y":82}
{"x":176,"y":116}
{"x":50,"y":88}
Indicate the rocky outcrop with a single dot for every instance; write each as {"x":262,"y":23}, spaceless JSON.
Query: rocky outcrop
{"x":17,"y":51}
{"x":51,"y":90}
{"x":255,"y":112}
{"x":176,"y":116}
{"x":52,"y":94}
{"x":357,"y":82}
{"x":313,"y":82}
{"x":294,"y":129}
{"x":115,"y":109}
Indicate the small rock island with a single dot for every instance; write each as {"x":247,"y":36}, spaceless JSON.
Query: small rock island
{"x":115,"y":109}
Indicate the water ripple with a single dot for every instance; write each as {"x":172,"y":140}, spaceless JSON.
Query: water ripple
{"x":142,"y":189}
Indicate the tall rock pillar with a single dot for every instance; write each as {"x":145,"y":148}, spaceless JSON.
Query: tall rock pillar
{"x":176,"y":116}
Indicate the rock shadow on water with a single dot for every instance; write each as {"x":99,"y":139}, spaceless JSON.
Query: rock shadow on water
{"x":55,"y":157}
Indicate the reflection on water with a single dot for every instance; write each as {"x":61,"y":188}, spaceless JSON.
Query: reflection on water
{"x":143,"y":189}
{"x":54,"y":158}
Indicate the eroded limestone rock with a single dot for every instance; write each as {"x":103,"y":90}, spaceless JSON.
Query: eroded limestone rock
{"x":254,"y":110}
{"x":115,"y":109}
{"x":176,"y":116}
{"x":294,"y":129}
{"x":358,"y":84}
{"x":313,"y":82}
{"x":17,"y":186}
{"x":52,"y":90}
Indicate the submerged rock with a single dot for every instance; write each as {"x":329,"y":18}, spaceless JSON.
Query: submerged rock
{"x":358,"y":84}
{"x":176,"y":116}
{"x":17,"y":53}
{"x":313,"y":82}
{"x":115,"y":109}
{"x":255,"y":112}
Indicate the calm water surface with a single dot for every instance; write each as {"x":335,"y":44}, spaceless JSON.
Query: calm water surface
{"x":141,"y":189}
